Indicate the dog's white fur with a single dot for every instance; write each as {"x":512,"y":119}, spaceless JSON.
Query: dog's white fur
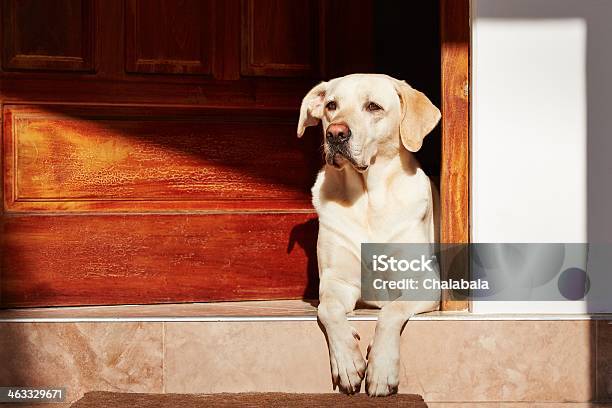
{"x":390,"y":201}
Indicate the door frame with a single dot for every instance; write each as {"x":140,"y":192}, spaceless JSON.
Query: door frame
{"x":455,"y":38}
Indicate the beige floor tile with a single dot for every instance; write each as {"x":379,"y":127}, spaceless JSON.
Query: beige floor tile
{"x":82,"y":356}
{"x":441,"y":360}
{"x":248,"y":356}
{"x":499,"y":361}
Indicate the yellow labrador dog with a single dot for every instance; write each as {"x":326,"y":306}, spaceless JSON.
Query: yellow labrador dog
{"x":370,"y":190}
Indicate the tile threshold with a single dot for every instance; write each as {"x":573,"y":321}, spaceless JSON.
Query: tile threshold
{"x":248,"y":311}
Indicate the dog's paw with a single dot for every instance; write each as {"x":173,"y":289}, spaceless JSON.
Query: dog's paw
{"x":382,"y":375}
{"x":347,"y":364}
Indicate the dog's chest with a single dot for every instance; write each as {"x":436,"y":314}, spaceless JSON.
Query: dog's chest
{"x":396,"y":215}
{"x":396,"y":211}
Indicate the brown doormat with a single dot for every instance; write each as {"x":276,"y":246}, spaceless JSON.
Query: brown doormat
{"x":99,"y":399}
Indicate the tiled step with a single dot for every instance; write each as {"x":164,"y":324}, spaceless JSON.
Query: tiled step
{"x":278,"y":346}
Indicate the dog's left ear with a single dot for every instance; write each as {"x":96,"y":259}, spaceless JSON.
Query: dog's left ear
{"x":311,"y":110}
{"x":419,"y":116}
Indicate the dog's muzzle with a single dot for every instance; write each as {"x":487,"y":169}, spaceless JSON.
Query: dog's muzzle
{"x":338,"y":156}
{"x":337,"y":138}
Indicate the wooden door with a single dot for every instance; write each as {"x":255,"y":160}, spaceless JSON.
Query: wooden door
{"x":149,"y":150}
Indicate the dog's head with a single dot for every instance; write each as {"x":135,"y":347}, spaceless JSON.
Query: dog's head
{"x":367,"y":114}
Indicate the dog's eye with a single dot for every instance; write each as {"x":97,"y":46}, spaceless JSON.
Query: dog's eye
{"x":372,"y":107}
{"x":331,"y":105}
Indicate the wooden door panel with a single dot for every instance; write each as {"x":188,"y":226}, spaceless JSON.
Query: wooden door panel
{"x":279,"y":38}
{"x":172,"y":173}
{"x":96,"y":158}
{"x":170,"y":36}
{"x":48,"y":35}
{"x":119,"y":259}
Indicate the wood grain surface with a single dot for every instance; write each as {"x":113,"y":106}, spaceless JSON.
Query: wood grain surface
{"x":96,"y":158}
{"x":267,"y":26}
{"x":124,"y":259}
{"x":56,"y":37}
{"x":170,"y":36}
{"x":455,"y":174}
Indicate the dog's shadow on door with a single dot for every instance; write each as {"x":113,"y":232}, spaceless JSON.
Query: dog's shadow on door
{"x":305,"y":236}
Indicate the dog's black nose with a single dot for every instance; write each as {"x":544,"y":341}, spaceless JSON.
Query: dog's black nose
{"x":338,"y":133}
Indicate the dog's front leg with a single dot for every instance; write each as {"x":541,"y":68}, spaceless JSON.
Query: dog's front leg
{"x":338,"y":298}
{"x":382,"y":376}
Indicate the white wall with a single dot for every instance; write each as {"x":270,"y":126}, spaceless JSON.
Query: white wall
{"x":541,"y":135}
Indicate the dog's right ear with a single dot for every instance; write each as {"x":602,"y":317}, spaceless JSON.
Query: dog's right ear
{"x":311,"y":110}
